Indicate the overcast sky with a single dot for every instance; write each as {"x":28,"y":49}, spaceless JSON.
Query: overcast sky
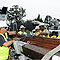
{"x":35,"y":7}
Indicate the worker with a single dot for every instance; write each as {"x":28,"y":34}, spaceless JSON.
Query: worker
{"x":22,"y":30}
{"x":4,"y":50}
{"x":43,"y":31}
{"x":37,"y":31}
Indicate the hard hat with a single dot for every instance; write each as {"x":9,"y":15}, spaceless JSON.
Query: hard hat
{"x":37,"y":27}
{"x":33,"y":31}
{"x":22,"y":27}
{"x":3,"y":24}
{"x":41,"y":24}
{"x":55,"y":57}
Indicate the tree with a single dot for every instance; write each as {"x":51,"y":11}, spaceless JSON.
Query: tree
{"x":29,"y":26}
{"x":16,"y":14}
{"x":54,"y":21}
{"x":39,"y":19}
{"x":58,"y":20}
{"x":47,"y":19}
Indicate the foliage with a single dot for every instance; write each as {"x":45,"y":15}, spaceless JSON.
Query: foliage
{"x":47,"y":19}
{"x":39,"y":19}
{"x":54,"y":21}
{"x":29,"y":25}
{"x":16,"y":14}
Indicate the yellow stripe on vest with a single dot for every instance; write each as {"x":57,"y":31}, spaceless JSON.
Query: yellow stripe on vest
{"x":3,"y":36}
{"x":6,"y":35}
{"x":43,"y":32}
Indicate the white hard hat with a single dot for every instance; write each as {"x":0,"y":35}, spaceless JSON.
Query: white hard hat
{"x":37,"y":27}
{"x":22,"y":26}
{"x":33,"y":30}
{"x":3,"y":24}
{"x":41,"y":24}
{"x":55,"y":57}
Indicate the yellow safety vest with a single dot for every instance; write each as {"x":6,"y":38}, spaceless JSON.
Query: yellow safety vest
{"x":6,"y":35}
{"x":4,"y":51}
{"x":44,"y":32}
{"x":20,"y":32}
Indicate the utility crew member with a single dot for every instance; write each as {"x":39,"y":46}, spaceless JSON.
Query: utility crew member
{"x":43,"y":31}
{"x":22,"y":30}
{"x":4,"y":50}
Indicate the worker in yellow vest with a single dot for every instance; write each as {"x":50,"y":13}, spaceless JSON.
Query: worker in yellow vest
{"x":22,"y":30}
{"x":43,"y":31}
{"x":4,"y":50}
